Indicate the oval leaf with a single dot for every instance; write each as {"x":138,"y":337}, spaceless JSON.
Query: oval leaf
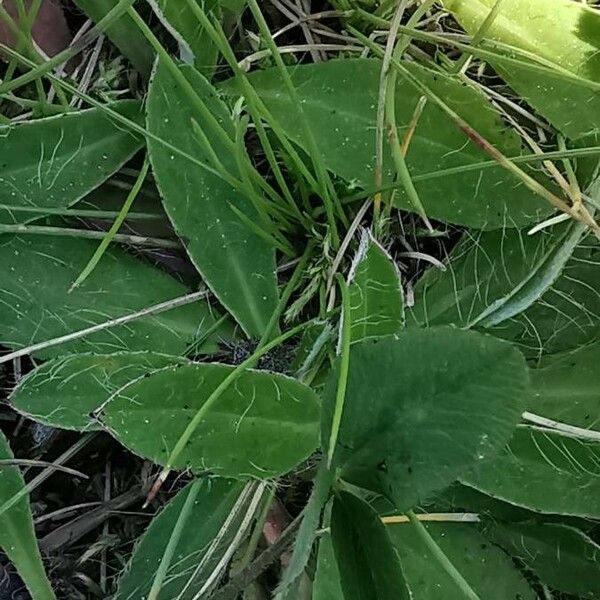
{"x":422,"y":407}
{"x":65,"y":391}
{"x":261,"y":426}
{"x":543,"y":471}
{"x":37,"y":272}
{"x":236,"y":264}
{"x":340,"y":99}
{"x":54,"y":162}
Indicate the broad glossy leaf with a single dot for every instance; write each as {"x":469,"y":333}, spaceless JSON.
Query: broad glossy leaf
{"x":64,"y":392}
{"x":56,"y":161}
{"x":340,"y":98}
{"x":376,"y":297}
{"x":262,"y":426}
{"x":422,"y":407}
{"x":493,"y":276}
{"x":195,"y":45}
{"x":124,"y":34}
{"x":545,"y":472}
{"x":486,"y":568}
{"x":237,"y":265}
{"x":560,"y":31}
{"x":567,"y":316}
{"x":196,"y":552}
{"x":37,"y":272}
{"x":562,"y":557}
{"x":17,"y":536}
{"x":367,"y":562}
{"x":566,"y":387}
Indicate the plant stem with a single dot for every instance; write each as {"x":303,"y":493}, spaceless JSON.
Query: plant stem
{"x":167,"y":557}
{"x":112,"y":232}
{"x":134,"y":240}
{"x":340,"y":397}
{"x":441,"y":557}
{"x":326,"y":186}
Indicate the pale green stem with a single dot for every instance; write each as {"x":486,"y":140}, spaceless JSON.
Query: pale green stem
{"x":112,"y":232}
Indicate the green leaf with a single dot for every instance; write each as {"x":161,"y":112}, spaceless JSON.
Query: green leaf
{"x":262,"y":426}
{"x":64,"y":392}
{"x":567,"y":316}
{"x":562,"y":32}
{"x":368,"y":564}
{"x":195,"y":45}
{"x":487,"y":569}
{"x":124,"y":34}
{"x":493,"y":276}
{"x":237,"y":265}
{"x":197,"y":550}
{"x":17,"y":536}
{"x":414,"y":419}
{"x":340,"y":101}
{"x":545,"y":472}
{"x":376,"y":298}
{"x":56,"y":161}
{"x":327,"y":578}
{"x":562,"y":557}
{"x":37,"y":272}
{"x":565,"y":387}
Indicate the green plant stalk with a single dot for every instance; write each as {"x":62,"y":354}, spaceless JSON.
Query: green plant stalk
{"x":388,"y":82}
{"x":243,"y":185}
{"x":242,"y":160}
{"x":277,"y":208}
{"x":72,"y":212}
{"x":326,"y":185}
{"x":478,"y":37}
{"x":392,"y":128}
{"x":110,"y":234}
{"x":271,"y":239}
{"x":287,"y":294}
{"x":46,"y":67}
{"x":212,"y":400}
{"x":441,"y":557}
{"x":134,"y":240}
{"x":167,"y":557}
{"x":218,"y":168}
{"x":219,"y":38}
{"x":187,"y":87}
{"x":258,"y":110}
{"x":340,"y":395}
